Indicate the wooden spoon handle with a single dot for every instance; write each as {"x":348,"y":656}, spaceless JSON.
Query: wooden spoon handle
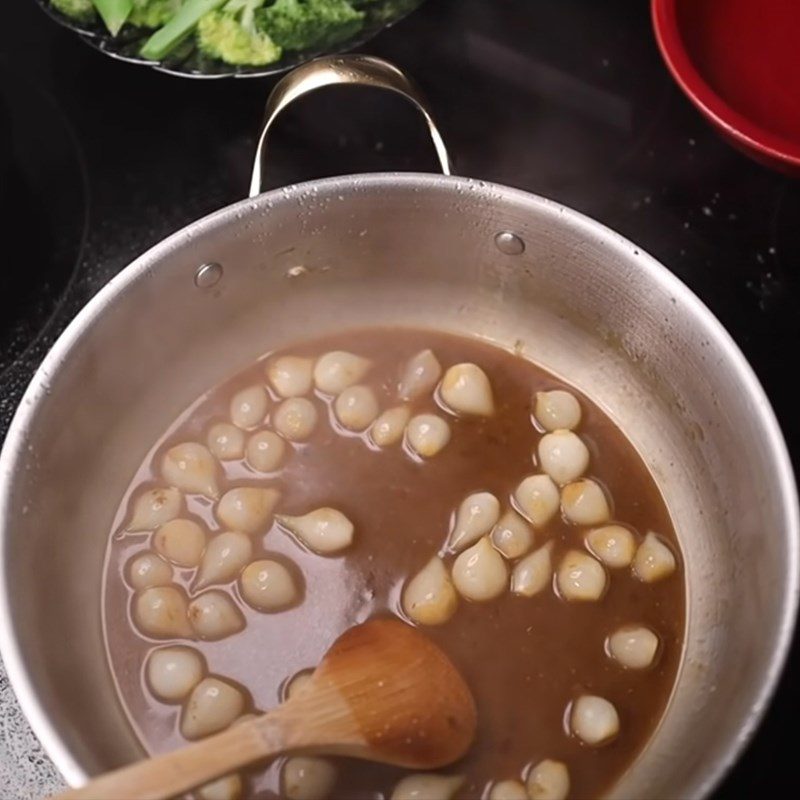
{"x":166,"y":776}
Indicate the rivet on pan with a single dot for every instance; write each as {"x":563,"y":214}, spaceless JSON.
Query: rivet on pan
{"x":509,"y":243}
{"x":207,"y":275}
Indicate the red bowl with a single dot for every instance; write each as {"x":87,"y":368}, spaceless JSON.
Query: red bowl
{"x":738,"y":61}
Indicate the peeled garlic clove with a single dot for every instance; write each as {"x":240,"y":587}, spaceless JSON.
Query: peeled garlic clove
{"x":420,"y":376}
{"x":480,"y":573}
{"x":508,"y":790}
{"x":172,"y":672}
{"x":249,"y":407}
{"x":612,"y":544}
{"x":265,"y":451}
{"x":584,"y":503}
{"x":337,"y":370}
{"x":297,"y":684}
{"x":466,"y":389}
{"x":557,"y":410}
{"x":653,"y":560}
{"x":213,"y":705}
{"x":430,"y":598}
{"x":307,"y":778}
{"x":225,"y":441}
{"x":191,"y":468}
{"x":213,"y":615}
{"x":227,"y":788}
{"x":633,"y":646}
{"x":149,"y":570}
{"x":423,"y":786}
{"x":247,"y":508}
{"x":356,"y":408}
{"x":580,"y":577}
{"x":291,"y":376}
{"x":154,"y":508}
{"x":295,"y":419}
{"x":594,"y":720}
{"x":427,"y":434}
{"x":388,"y":428}
{"x":563,"y":456}
{"x":533,"y":573}
{"x":324,"y":530}
{"x":512,"y":535}
{"x":181,"y":541}
{"x":475,"y":517}
{"x":160,"y":612}
{"x":225,"y":557}
{"x":267,"y":585}
{"x":548,"y":780}
{"x":537,"y":499}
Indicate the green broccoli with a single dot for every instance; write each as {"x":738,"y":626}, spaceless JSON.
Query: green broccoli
{"x":82,"y":10}
{"x":115,"y":13}
{"x":310,"y":24}
{"x":167,"y":38}
{"x":153,"y":13}
{"x":231,"y":35}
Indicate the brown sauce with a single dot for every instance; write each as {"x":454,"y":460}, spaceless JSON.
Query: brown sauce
{"x":525,"y":659}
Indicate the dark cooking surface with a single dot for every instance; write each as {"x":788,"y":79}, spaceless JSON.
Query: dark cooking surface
{"x":561,"y":97}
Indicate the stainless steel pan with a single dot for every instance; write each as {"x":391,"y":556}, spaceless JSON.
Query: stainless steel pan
{"x":412,"y":249}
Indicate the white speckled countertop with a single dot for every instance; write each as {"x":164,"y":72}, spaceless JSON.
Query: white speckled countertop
{"x":26,"y":773}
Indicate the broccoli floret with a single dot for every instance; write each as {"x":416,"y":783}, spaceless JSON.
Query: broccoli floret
{"x":231,"y":35}
{"x":82,"y":10}
{"x":307,"y":24}
{"x":170,"y":36}
{"x":153,"y":13}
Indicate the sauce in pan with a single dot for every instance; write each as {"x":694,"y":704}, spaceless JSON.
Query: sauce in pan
{"x":570,"y":640}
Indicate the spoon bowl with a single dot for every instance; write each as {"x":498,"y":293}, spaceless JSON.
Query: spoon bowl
{"x":383,"y":692}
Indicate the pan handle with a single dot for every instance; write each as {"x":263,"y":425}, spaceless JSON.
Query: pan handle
{"x":332,"y":70}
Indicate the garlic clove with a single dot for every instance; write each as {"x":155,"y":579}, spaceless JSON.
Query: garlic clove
{"x":584,"y":503}
{"x":427,"y":435}
{"x":213,"y":615}
{"x":389,"y":427}
{"x":653,"y":561}
{"x":337,"y":370}
{"x":247,"y":508}
{"x":430,"y":598}
{"x":356,"y":408}
{"x":224,"y":558}
{"x":291,"y":376}
{"x":267,"y":585}
{"x":213,"y":705}
{"x":537,"y":499}
{"x":556,"y":410}
{"x":512,"y":535}
{"x":324,"y":530}
{"x":420,"y":376}
{"x":465,"y":389}
{"x":480,"y":572}
{"x":161,"y":613}
{"x":475,"y":517}
{"x":154,"y":508}
{"x":533,"y":573}
{"x":296,"y":419}
{"x":249,"y":407}
{"x":191,"y":468}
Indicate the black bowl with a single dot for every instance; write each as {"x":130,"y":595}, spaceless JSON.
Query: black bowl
{"x":187,"y":62}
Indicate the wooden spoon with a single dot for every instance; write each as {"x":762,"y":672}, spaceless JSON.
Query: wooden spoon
{"x":383,"y":692}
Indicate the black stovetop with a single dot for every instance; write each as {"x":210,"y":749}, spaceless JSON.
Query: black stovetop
{"x":566,"y":98}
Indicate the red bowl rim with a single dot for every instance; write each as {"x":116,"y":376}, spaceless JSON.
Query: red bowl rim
{"x":737,"y":126}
